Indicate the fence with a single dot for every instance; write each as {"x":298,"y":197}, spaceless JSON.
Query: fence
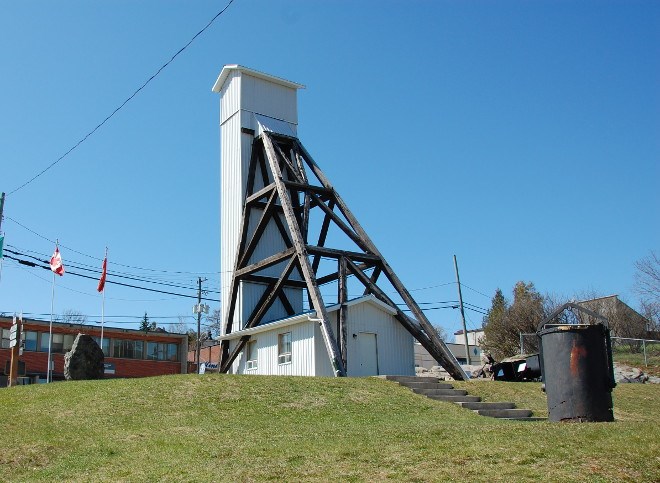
{"x":623,"y":348}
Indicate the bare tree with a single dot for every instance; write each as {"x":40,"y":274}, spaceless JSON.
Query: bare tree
{"x":71,"y":316}
{"x":183,"y":327}
{"x":442,"y":333}
{"x":647,"y":285}
{"x":214,"y":322}
{"x":647,"y":277}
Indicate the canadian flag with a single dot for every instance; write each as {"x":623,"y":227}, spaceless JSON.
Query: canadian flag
{"x":103,"y":274}
{"x":56,"y":262}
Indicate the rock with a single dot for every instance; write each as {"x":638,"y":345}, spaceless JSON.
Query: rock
{"x":84,"y":360}
{"x":626,"y":374}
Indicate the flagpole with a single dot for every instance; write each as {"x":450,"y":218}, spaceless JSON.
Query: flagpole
{"x":49,"y":377}
{"x":103,"y":302}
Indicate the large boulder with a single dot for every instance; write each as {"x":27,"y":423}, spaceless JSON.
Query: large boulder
{"x":84,"y":360}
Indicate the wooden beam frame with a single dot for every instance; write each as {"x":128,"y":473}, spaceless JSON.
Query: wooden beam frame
{"x":285,"y":159}
{"x":303,"y":260}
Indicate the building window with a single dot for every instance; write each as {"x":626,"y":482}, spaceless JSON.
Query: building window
{"x":5,"y":338}
{"x":161,"y":351}
{"x":284,"y":348}
{"x":68,"y":342}
{"x":128,"y":349}
{"x":106,"y":345}
{"x":251,"y":362}
{"x":30,"y":340}
{"x":58,"y":345}
{"x":43,"y":342}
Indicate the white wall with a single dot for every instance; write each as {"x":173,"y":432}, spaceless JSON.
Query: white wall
{"x":473,"y":337}
{"x":309,"y":356}
{"x":243,"y":97}
{"x":302,"y":352}
{"x":395,"y":344}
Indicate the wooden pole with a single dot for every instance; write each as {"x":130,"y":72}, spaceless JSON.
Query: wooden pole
{"x":460,"y":300}
{"x":2,"y":206}
{"x":303,"y":260}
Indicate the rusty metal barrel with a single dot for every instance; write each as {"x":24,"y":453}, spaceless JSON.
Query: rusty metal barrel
{"x":577,"y":371}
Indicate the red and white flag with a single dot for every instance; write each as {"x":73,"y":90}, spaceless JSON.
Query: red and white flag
{"x":103,"y":274}
{"x":56,"y":262}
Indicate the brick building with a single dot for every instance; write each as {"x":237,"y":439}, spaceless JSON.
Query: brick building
{"x":128,"y":352}
{"x":209,"y":354}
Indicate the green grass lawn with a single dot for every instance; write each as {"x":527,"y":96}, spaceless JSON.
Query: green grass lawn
{"x":229,"y":428}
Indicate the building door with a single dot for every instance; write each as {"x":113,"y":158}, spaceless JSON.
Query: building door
{"x":367,"y":354}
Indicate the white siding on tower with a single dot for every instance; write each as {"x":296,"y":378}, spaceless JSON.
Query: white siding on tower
{"x":249,"y":99}
{"x":232,"y":175}
{"x":269,"y":99}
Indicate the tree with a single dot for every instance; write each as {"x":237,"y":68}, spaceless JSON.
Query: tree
{"x":442,"y":333}
{"x":215,"y":322}
{"x":147,"y":326}
{"x":647,"y":277}
{"x":647,"y":285}
{"x":504,"y":323}
{"x":71,"y":316}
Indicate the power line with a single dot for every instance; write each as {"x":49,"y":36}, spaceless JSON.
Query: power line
{"x":113,"y":274}
{"x":476,"y":291}
{"x":100,"y":259}
{"x":34,"y":265}
{"x":98,"y":126}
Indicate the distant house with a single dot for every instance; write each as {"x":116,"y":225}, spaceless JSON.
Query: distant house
{"x":457,"y":348}
{"x":473,"y":337}
{"x":376,"y":343}
{"x":624,"y":321}
{"x":128,"y":352}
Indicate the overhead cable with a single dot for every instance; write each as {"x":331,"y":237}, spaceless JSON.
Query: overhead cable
{"x":98,"y":126}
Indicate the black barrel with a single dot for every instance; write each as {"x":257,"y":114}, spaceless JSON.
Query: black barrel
{"x":576,"y":366}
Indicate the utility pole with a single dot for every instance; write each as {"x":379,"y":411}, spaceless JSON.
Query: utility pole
{"x":2,"y":206}
{"x":198,"y":309}
{"x":460,"y":300}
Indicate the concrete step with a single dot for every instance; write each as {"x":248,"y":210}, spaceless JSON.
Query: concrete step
{"x":505,"y":413}
{"x":441,"y":392}
{"x":427,"y":385}
{"x":487,"y":405}
{"x":456,"y":399}
{"x":410,"y":378}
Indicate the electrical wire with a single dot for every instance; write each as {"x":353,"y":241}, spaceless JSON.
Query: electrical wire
{"x":109,"y":273}
{"x":101,"y":259}
{"x":34,"y":265}
{"x":474,"y":290}
{"x":98,"y":126}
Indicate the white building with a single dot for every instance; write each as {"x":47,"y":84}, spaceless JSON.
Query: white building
{"x":252,"y":103}
{"x":473,"y":337}
{"x":377,"y":344}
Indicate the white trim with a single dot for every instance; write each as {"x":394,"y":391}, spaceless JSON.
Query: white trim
{"x":227,"y":69}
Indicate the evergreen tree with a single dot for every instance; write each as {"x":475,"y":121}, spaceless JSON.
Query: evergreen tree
{"x":504,"y":323}
{"x":147,"y":326}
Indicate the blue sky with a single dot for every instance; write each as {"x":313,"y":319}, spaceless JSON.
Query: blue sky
{"x":521,"y":136}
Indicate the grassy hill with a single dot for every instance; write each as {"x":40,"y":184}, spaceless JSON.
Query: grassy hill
{"x":228,"y":428}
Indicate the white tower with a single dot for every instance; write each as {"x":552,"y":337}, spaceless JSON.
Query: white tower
{"x":250,"y":102}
